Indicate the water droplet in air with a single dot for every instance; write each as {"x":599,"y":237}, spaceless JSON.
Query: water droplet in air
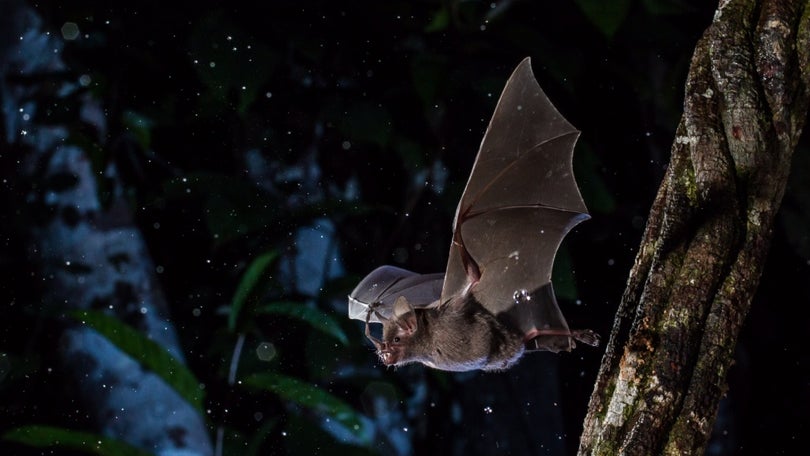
{"x":521,"y":296}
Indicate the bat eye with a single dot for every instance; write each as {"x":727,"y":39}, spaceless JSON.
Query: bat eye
{"x":396,"y":339}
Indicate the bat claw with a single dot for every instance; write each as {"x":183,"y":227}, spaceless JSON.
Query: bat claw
{"x":586,"y":336}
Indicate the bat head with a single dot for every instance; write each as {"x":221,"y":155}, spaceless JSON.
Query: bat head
{"x":399,"y":332}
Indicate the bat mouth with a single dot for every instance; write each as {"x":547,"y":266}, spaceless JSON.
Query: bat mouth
{"x":387,"y":356}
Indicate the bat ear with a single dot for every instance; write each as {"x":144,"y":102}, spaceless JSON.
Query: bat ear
{"x":405,"y":315}
{"x":402,"y":307}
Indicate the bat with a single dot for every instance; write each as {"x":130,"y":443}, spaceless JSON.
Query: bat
{"x":495,"y":301}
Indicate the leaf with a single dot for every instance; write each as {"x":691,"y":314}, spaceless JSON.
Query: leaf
{"x":429,"y":74}
{"x":146,"y":351}
{"x":562,"y":275}
{"x":312,"y":397}
{"x":260,"y":436}
{"x":316,"y":318}
{"x":607,"y":16}
{"x":48,"y":436}
{"x":250,"y":281}
{"x":362,"y":122}
{"x":230,"y":64}
{"x":594,"y":190}
{"x":140,"y":126}
{"x":304,"y":438}
{"x":439,"y":22}
{"x":667,"y":7}
{"x":233,"y":208}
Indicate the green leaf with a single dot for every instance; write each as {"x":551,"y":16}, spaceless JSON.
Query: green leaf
{"x":439,"y":22}
{"x":248,"y":285}
{"x":312,"y":397}
{"x":562,"y":276}
{"x":667,"y":7}
{"x":429,"y":75}
{"x":48,"y":436}
{"x":596,"y":193}
{"x":607,"y":16}
{"x":362,"y":122}
{"x":316,"y":318}
{"x":233,"y":207}
{"x":231,"y":65}
{"x":303,"y":438}
{"x":140,"y":126}
{"x":260,"y":436}
{"x":146,"y":351}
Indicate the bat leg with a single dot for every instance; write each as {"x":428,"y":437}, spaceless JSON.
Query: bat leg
{"x":557,"y":340}
{"x":554,"y":344}
{"x":545,"y":328}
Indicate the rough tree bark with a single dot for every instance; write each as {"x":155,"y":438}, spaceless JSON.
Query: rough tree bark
{"x":707,"y":236}
{"x":85,"y":255}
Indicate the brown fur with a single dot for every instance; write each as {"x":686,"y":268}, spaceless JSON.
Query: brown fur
{"x":454,"y":337}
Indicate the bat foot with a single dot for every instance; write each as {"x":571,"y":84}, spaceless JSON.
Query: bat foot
{"x":586,"y":336}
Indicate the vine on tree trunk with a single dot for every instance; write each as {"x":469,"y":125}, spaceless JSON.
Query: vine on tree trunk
{"x":707,"y":236}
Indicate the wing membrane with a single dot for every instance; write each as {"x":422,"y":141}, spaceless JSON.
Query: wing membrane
{"x":382,"y":286}
{"x":519,"y":203}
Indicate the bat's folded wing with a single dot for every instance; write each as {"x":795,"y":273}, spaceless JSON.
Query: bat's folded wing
{"x":382,"y":286}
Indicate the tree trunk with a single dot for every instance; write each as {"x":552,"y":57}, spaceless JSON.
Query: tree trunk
{"x":707,"y":236}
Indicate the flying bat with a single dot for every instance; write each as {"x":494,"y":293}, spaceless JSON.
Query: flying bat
{"x":495,"y":301}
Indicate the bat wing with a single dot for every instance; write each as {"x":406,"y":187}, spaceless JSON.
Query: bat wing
{"x":519,"y":203}
{"x":382,"y":286}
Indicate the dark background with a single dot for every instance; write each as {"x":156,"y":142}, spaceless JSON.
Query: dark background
{"x":234,"y":126}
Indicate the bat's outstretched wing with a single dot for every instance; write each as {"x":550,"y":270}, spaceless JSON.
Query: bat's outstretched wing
{"x":382,"y":286}
{"x":519,"y":203}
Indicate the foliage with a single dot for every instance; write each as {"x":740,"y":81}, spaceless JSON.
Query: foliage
{"x":318,"y":319}
{"x":315,"y":398}
{"x":148,"y":352}
{"x":248,"y":285}
{"x":52,"y":437}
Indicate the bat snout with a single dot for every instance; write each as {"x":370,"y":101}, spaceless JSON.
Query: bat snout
{"x":389,"y":355}
{"x":386,"y":358}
